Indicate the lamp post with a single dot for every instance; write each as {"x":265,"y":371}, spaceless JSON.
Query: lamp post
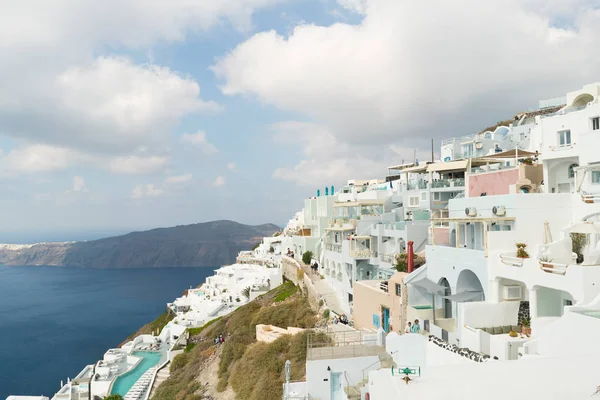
{"x":288,"y":373}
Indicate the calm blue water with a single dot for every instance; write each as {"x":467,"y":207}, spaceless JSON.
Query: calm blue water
{"x":127,"y":380}
{"x":54,"y":321}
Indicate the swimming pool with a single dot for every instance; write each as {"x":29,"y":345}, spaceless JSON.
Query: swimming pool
{"x":128,"y":379}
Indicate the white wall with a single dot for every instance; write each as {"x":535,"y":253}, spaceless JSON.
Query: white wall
{"x":572,"y":335}
{"x":318,"y":377}
{"x":487,"y":315}
{"x":408,"y":350}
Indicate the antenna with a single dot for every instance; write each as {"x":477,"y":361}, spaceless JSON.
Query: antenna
{"x":431,"y":149}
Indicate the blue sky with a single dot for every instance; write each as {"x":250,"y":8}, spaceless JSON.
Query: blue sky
{"x":119,"y":116}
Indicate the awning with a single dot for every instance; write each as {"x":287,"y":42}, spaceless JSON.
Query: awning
{"x":361,"y":237}
{"x":406,"y":165}
{"x":463,"y":296}
{"x":377,"y":202}
{"x":428,"y":286}
{"x":588,"y":228}
{"x":511,"y":154}
{"x":415,"y":169}
{"x":345,"y":204}
{"x":448,"y":166}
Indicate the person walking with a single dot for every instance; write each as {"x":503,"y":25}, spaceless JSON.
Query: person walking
{"x":416,"y":328}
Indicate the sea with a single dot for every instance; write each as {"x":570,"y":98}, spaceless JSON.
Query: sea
{"x":55,"y":320}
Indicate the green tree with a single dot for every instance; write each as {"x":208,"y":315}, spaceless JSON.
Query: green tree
{"x":246,"y":292}
{"x":307,"y":257}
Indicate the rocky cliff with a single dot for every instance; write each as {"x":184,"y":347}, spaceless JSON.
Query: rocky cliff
{"x":205,"y":244}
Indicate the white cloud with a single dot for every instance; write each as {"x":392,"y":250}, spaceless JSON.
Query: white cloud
{"x":415,"y":70}
{"x":62,"y":87}
{"x":178,"y":179}
{"x":199,"y":139}
{"x":36,"y":158}
{"x":324,"y":159}
{"x":136,"y":23}
{"x":148,"y":190}
{"x":137,"y":165}
{"x":219,"y":181}
{"x":232,"y":166}
{"x":78,"y":184}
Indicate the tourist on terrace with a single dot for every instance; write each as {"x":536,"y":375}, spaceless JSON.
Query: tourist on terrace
{"x":408,"y":328}
{"x":416,"y":328}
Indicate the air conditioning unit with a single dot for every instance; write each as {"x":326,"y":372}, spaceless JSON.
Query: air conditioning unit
{"x":471,"y":211}
{"x":499,"y":210}
{"x":512,"y":292}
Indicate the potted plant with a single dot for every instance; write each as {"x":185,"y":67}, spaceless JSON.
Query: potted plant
{"x":521,"y":252}
{"x":526,"y":326}
{"x":527,"y":161}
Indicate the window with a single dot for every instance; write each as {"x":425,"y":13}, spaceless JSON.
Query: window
{"x":596,"y":123}
{"x":398,"y":289}
{"x":596,"y":177}
{"x":564,"y":138}
{"x":413,"y":201}
{"x":437,"y":196}
{"x":423,"y":196}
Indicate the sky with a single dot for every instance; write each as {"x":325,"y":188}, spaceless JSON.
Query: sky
{"x":133,"y":114}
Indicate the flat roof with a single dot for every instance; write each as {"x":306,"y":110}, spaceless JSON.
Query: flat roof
{"x":448,"y":166}
{"x":531,"y":378}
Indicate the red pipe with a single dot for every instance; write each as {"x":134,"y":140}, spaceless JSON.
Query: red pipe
{"x":410,"y":259}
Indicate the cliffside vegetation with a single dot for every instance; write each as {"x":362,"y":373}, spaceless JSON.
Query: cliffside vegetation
{"x":155,"y":326}
{"x":253,"y":370}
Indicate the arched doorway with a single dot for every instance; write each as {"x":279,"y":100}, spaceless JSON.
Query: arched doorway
{"x":447,"y":292}
{"x":453,"y":237}
{"x":469,"y":282}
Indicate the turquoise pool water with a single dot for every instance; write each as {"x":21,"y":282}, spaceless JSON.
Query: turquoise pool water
{"x":127,"y":380}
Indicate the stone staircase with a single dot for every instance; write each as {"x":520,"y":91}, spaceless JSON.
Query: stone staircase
{"x":329,"y":296}
{"x":354,"y":392}
{"x":161,"y":376}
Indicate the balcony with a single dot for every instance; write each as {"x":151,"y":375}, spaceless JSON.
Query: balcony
{"x":447,"y":183}
{"x":361,"y":253}
{"x":334,"y":247}
{"x":388,"y":258}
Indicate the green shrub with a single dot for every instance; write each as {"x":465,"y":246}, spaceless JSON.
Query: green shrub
{"x":179,"y":361}
{"x":321,"y":303}
{"x":113,"y":397}
{"x":197,"y":331}
{"x":307,"y":257}
{"x":326,"y":313}
{"x":189,"y":347}
{"x":284,"y":291}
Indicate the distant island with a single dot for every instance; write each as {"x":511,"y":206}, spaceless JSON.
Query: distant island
{"x":207,"y":244}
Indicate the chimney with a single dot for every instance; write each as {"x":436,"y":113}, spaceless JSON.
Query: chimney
{"x":410,"y":259}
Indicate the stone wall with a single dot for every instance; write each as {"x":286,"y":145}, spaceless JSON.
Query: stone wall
{"x":290,"y":268}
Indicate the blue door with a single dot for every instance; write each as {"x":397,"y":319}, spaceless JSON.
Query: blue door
{"x":337,"y":393}
{"x":386,"y":319}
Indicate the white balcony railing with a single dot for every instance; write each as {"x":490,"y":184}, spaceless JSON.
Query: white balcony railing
{"x":512,"y":261}
{"x":553,"y":268}
{"x":361,"y":253}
